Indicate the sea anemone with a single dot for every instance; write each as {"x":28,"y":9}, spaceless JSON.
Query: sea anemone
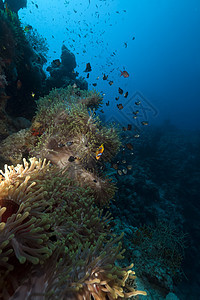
{"x":89,"y":273}
{"x":24,"y":228}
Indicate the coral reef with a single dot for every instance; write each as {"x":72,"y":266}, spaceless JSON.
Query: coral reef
{"x":18,"y":66}
{"x":16,"y":5}
{"x":62,"y":72}
{"x":52,"y":228}
{"x":66,"y":132}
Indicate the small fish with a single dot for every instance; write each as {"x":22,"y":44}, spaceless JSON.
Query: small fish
{"x":88,"y":75}
{"x":71,"y":159}
{"x":125,"y":45}
{"x":126,"y":95}
{"x":60,"y":145}
{"x":116,"y":98}
{"x":74,"y":86}
{"x":124,"y":170}
{"x":119,"y":172}
{"x":120,"y":106}
{"x":136,"y":112}
{"x":136,"y":136}
{"x":129,"y":167}
{"x":111,"y":82}
{"x":102,"y":111}
{"x":53,"y":36}
{"x":99,"y":151}
{"x":27,"y":28}
{"x":129,"y":146}
{"x":133,"y":38}
{"x":124,"y":128}
{"x":56,"y":62}
{"x":36,"y":5}
{"x":105,"y":77}
{"x":144,"y":123}
{"x":69,"y":144}
{"x":32,"y":94}
{"x":115,"y":166}
{"x":19,"y":84}
{"x":94,"y":84}
{"x":108,"y":103}
{"x":98,"y":78}
{"x":120,"y":91}
{"x":137,"y":102}
{"x":124,"y":74}
{"x":129,"y":127}
{"x":123,"y":161}
{"x":88,"y":68}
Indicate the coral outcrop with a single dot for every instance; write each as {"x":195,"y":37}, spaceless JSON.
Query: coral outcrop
{"x":62,"y":72}
{"x":66,"y":131}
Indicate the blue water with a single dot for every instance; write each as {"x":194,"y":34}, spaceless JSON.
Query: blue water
{"x":163,"y":61}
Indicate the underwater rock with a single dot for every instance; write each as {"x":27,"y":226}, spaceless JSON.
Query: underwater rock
{"x":68,"y":60}
{"x":62,"y":72}
{"x":16,"y":5}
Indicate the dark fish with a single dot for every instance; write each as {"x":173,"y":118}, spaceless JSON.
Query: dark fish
{"x":120,"y":106}
{"x":88,"y":68}
{"x":133,"y":38}
{"x":129,"y":146}
{"x":94,"y":84}
{"x":71,"y":159}
{"x":57,"y":62}
{"x":136,"y":112}
{"x":126,"y":95}
{"x":61,"y":145}
{"x":88,"y":74}
{"x":105,"y":77}
{"x":144,"y":123}
{"x":125,"y":45}
{"x":36,"y":5}
{"x":137,"y":102}
{"x":124,"y":73}
{"x":124,"y":128}
{"x":116,"y":98}
{"x":108,"y":103}
{"x":120,"y":91}
{"x":111,"y":82}
{"x":102,"y":111}
{"x":115,"y":166}
{"x":129,"y":127}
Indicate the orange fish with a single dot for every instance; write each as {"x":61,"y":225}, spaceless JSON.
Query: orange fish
{"x":99,"y":151}
{"x":124,"y":73}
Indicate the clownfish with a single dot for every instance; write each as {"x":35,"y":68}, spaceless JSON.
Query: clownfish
{"x":99,"y":151}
